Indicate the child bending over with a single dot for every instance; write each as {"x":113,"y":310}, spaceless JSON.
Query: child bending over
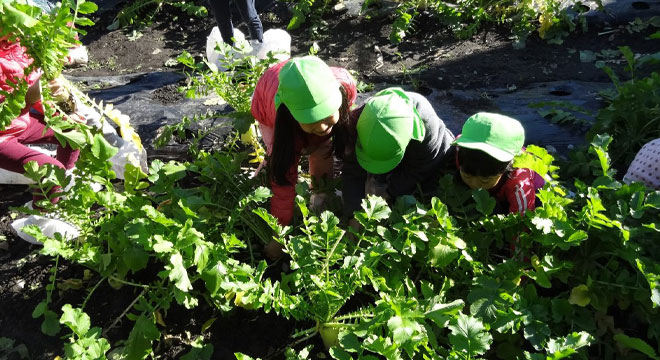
{"x":486,"y":149}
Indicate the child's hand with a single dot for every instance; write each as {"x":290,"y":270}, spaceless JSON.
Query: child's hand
{"x":75,"y":117}
{"x":58,"y":89}
{"x":375,"y":187}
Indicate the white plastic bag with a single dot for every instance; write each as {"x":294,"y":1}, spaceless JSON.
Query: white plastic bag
{"x":49,"y":227}
{"x":241,"y":47}
{"x":276,"y":40}
{"x":129,"y":152}
{"x":279,"y":42}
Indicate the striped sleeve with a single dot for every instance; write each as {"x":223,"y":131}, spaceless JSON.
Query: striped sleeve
{"x":520,"y":191}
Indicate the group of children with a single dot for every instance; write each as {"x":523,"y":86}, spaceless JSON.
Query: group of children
{"x":395,"y":144}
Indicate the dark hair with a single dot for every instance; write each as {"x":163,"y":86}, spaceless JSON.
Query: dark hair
{"x":288,"y":132}
{"x":479,"y":163}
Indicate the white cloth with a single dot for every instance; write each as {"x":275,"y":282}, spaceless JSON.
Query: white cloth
{"x":646,"y":165}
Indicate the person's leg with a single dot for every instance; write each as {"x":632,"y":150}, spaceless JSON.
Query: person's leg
{"x":35,"y":134}
{"x":14,"y":156}
{"x":251,"y":18}
{"x":222,"y":12}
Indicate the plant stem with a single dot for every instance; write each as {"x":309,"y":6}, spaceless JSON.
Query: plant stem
{"x":113,"y":278}
{"x":91,"y":292}
{"x":617,"y":285}
{"x":128,"y":308}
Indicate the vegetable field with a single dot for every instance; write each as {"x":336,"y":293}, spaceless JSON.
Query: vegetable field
{"x":170,"y":262}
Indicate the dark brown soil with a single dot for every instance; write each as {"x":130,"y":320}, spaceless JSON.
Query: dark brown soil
{"x":430,"y":57}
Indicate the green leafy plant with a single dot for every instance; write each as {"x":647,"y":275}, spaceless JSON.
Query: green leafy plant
{"x":633,"y":112}
{"x":465,"y":18}
{"x":8,"y":348}
{"x":142,"y":12}
{"x":47,"y":37}
{"x":85,"y":343}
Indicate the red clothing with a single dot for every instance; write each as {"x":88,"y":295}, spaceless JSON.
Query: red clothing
{"x":13,"y":62}
{"x":263,"y":110}
{"x":27,"y":128}
{"x":518,"y":189}
{"x":14,"y":152}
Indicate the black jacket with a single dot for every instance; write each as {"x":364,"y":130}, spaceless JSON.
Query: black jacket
{"x":422,"y":163}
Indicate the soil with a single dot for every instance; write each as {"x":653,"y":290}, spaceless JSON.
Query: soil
{"x":429,"y":58}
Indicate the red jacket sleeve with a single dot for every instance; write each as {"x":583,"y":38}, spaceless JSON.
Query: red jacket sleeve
{"x":520,"y":190}
{"x":282,"y":202}
{"x":13,"y":62}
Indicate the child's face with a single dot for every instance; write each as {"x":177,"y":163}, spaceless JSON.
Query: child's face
{"x":480,"y":182}
{"x":323,"y":127}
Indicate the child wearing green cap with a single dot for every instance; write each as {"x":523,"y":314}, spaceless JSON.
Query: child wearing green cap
{"x":486,"y":149}
{"x":298,"y":104}
{"x":400,"y":145}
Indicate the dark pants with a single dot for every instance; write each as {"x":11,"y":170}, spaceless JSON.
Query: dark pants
{"x":222,"y":11}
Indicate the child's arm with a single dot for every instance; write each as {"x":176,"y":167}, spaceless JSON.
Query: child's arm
{"x":422,"y":160}
{"x":353,"y":178}
{"x":520,"y":191}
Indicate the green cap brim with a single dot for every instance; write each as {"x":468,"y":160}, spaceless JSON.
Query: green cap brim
{"x":376,"y":166}
{"x":320,"y":111}
{"x":491,"y":150}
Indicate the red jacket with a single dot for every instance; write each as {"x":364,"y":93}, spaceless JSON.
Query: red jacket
{"x":263,"y":110}
{"x":518,"y":189}
{"x":13,"y":62}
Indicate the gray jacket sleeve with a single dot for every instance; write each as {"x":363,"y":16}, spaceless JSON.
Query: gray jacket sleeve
{"x":423,"y":160}
{"x":353,"y":179}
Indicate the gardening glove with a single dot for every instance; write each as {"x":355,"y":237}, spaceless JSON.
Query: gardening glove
{"x":318,"y":201}
{"x":273,"y":250}
{"x":377,"y":186}
{"x":77,"y":56}
{"x":58,"y":89}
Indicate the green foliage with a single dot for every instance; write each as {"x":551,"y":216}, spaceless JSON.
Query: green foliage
{"x":304,"y":10}
{"x":553,"y":20}
{"x":468,"y":337}
{"x":235,"y":85}
{"x":47,"y":37}
{"x":85,"y":343}
{"x":10,"y":351}
{"x":142,"y":12}
{"x":633,"y":114}
{"x":449,"y":278}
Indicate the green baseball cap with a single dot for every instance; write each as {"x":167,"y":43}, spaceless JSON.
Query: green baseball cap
{"x":309,"y":89}
{"x":497,"y":135}
{"x":387,"y":124}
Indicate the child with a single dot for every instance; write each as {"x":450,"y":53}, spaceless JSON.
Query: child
{"x":29,"y":127}
{"x":484,"y":159}
{"x":401,"y":146}
{"x":297,"y":104}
